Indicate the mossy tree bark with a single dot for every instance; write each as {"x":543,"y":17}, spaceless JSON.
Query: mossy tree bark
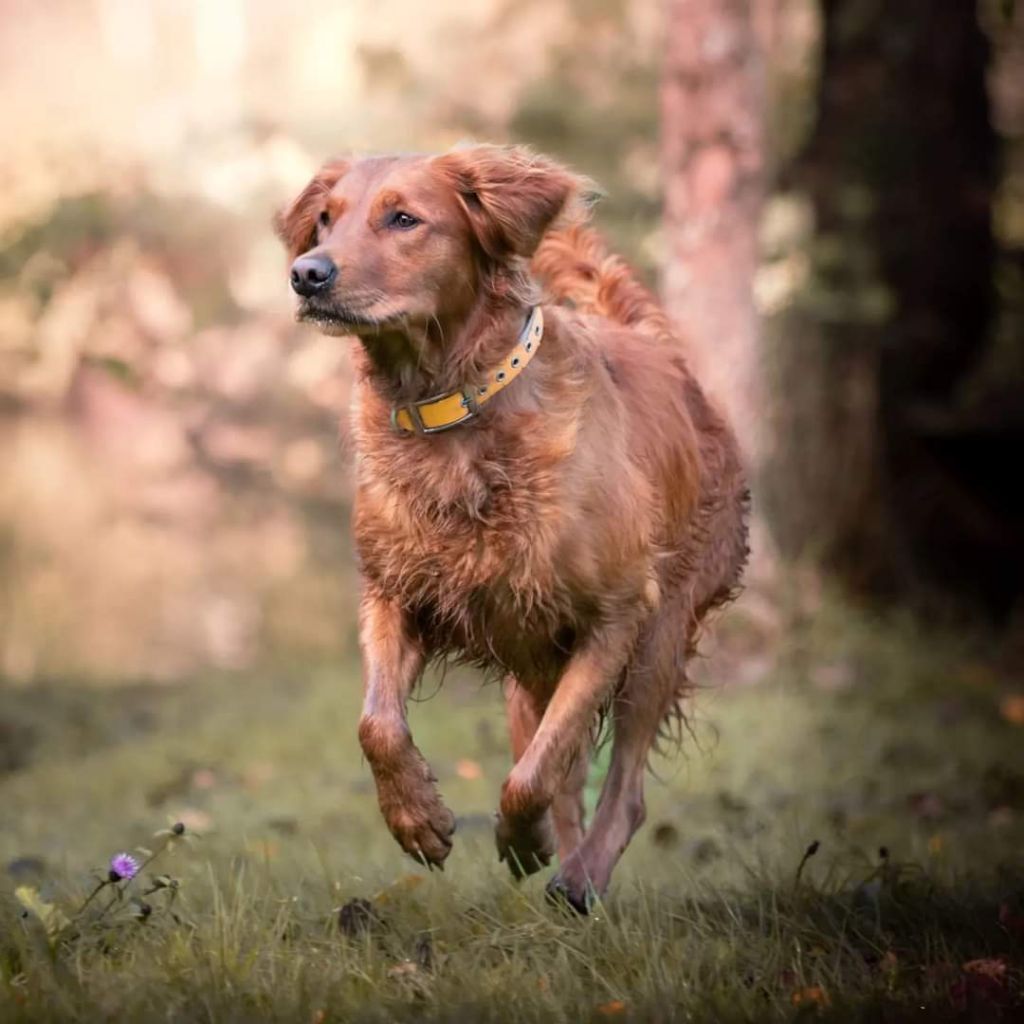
{"x":890,"y":310}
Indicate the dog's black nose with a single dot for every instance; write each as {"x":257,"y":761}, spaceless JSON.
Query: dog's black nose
{"x":313,"y":274}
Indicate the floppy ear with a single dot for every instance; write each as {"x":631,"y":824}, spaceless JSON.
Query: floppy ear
{"x":511,"y":196}
{"x":296,"y":224}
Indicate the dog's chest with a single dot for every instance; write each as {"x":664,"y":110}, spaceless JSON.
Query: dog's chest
{"x":467,"y":539}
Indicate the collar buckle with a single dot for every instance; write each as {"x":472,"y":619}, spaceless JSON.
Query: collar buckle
{"x":467,"y":400}
{"x":407,"y":420}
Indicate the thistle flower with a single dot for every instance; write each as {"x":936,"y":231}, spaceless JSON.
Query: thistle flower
{"x":122,"y":865}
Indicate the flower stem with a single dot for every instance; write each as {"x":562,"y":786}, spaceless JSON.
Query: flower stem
{"x":92,"y":896}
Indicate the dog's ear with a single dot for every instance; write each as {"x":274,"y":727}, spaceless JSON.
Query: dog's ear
{"x":511,"y":196}
{"x":295,"y":225}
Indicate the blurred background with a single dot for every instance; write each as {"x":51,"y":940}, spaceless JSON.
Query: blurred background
{"x":173,"y":494}
{"x":828,"y":195}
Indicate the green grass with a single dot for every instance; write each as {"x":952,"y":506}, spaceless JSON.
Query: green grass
{"x":862,"y":736}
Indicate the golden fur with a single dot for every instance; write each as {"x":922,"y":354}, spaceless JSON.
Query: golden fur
{"x":571,"y":537}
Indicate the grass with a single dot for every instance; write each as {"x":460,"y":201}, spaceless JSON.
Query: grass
{"x":863,"y":735}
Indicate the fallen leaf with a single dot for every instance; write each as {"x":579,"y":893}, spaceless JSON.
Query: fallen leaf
{"x":935,"y":845}
{"x":982,"y":981}
{"x":410,"y":976}
{"x":612,"y":1009}
{"x":53,"y":919}
{"x":469,"y":770}
{"x":406,"y":969}
{"x":987,"y":967}
{"x":401,"y":885}
{"x":813,"y":995}
{"x":1011,"y":708}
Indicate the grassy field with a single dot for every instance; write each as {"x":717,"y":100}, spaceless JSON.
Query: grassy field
{"x":901,"y":755}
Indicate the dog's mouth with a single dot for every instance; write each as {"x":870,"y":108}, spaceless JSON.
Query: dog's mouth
{"x":338,"y":320}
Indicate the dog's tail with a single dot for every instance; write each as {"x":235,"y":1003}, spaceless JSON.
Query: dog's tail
{"x":575,"y":268}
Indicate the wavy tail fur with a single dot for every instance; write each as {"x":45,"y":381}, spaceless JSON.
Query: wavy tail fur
{"x":575,"y":268}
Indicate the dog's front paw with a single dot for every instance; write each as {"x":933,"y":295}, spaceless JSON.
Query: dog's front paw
{"x":526,"y":845}
{"x":414,"y":811}
{"x":424,"y":831}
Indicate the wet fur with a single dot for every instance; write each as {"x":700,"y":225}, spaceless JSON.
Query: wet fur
{"x":572,"y":538}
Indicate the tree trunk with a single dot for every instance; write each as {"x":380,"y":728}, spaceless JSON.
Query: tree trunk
{"x":869,"y":471}
{"x":713,"y":160}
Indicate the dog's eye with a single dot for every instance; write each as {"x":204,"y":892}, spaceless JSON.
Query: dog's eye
{"x":324,"y":218}
{"x":402,"y":220}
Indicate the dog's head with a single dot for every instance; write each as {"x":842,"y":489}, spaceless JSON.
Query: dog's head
{"x":398,"y":243}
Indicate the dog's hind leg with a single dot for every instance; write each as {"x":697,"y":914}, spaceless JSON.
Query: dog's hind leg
{"x":654,"y":681}
{"x":524,"y":712}
{"x":586,"y":685}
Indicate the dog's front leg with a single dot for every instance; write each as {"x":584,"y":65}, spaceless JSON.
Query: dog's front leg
{"x":392,"y":661}
{"x":523,"y":832}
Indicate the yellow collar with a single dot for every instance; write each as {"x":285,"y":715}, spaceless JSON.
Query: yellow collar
{"x":442,"y":412}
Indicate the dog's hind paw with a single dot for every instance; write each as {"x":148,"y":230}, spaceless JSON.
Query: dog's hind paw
{"x":526,"y":846}
{"x":560,"y":893}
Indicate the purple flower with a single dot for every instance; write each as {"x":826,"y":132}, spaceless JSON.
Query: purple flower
{"x":123,"y":865}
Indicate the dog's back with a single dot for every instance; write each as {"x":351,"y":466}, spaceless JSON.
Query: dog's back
{"x":648,"y":362}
